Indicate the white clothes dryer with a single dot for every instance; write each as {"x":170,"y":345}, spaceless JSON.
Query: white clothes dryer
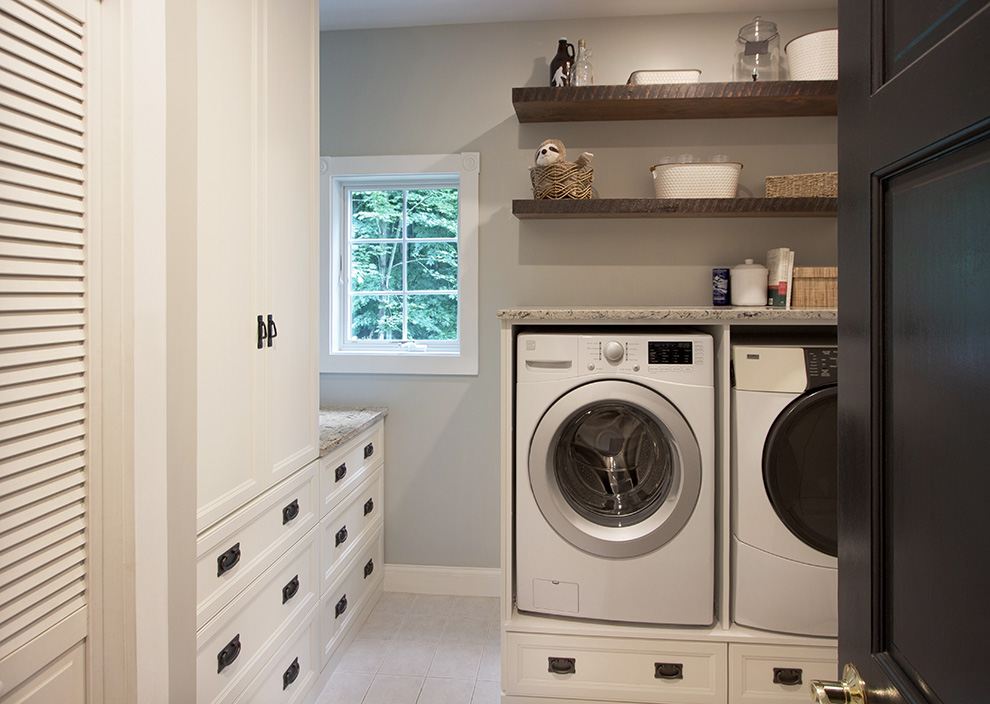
{"x":614,"y":476}
{"x":784,"y":498}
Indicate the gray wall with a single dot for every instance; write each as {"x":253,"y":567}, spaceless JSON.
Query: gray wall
{"x":448,"y":89}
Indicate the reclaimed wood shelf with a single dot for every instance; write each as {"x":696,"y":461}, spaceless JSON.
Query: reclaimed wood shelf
{"x":684,"y":101}
{"x":674,"y":208}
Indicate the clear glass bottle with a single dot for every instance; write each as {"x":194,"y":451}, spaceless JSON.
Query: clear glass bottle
{"x":582,"y":74}
{"x":757,"y":52}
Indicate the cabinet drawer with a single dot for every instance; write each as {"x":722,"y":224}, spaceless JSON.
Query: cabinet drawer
{"x":233,"y":553}
{"x":347,"y":529}
{"x":760,"y":674}
{"x":344,"y":601}
{"x":345,"y":468}
{"x":616,"y":669}
{"x":243,"y":636}
{"x":290,"y":674}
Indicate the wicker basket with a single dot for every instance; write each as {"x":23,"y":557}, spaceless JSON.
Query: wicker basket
{"x":815,"y":287}
{"x":820,"y":185}
{"x":559,"y":181}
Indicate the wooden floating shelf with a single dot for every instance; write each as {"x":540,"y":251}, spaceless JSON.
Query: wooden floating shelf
{"x":686,"y":101}
{"x":674,"y":208}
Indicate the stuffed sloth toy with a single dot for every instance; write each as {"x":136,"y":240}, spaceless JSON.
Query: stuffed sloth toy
{"x":552,"y":152}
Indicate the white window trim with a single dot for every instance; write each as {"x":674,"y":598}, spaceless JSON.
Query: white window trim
{"x":338,"y":172}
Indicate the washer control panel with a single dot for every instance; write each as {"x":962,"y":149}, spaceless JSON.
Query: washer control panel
{"x":683,"y":358}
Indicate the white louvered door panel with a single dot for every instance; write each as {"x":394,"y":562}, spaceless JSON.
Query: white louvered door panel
{"x":43,"y":326}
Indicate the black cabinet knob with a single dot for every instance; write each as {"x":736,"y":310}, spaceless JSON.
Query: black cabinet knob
{"x":340,"y":537}
{"x":340,"y":607}
{"x":369,"y":506}
{"x":369,"y":450}
{"x":369,"y":568}
{"x":340,"y":472}
{"x":262,"y":332}
{"x":669,"y":671}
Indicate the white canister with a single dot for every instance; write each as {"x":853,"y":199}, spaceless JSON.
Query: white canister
{"x":748,"y":284}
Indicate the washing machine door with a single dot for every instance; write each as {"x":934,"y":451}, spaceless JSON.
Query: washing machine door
{"x":800,"y":468}
{"x":615,"y":468}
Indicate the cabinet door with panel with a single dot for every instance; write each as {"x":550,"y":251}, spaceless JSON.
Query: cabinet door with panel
{"x":255,"y":278}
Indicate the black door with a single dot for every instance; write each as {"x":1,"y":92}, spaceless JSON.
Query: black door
{"x":914,"y":332}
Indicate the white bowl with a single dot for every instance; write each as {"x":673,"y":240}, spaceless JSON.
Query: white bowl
{"x":814,"y":56}
{"x":700,"y":180}
{"x":664,"y":76}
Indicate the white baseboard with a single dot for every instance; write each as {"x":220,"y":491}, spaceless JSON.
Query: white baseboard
{"x":428,"y":579}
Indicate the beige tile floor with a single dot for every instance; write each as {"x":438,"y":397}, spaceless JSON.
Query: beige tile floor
{"x":422,"y":649}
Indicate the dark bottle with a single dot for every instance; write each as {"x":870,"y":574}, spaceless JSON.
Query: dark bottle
{"x":560,"y":67}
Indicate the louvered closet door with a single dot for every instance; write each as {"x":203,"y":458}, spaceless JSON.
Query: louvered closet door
{"x":43,"y":345}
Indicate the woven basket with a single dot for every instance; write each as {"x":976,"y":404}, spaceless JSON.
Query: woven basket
{"x":559,"y":181}
{"x":815,"y":287}
{"x":696,"y":180}
{"x":820,"y":185}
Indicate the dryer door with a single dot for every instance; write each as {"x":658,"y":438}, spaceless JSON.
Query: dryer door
{"x":615,"y":468}
{"x":800,"y":468}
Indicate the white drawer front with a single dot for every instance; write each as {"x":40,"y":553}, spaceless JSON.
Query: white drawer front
{"x":252,"y":627}
{"x":290,"y":674}
{"x":616,"y":669}
{"x":238,"y":549}
{"x":753,"y":670}
{"x":348,"y":595}
{"x":342,"y":470}
{"x":347,"y":529}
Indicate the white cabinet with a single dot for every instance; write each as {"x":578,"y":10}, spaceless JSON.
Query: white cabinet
{"x":255,"y":276}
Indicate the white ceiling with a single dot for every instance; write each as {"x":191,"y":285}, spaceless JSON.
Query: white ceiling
{"x":366,"y":14}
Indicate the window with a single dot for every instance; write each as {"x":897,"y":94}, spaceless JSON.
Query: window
{"x":400,"y":265}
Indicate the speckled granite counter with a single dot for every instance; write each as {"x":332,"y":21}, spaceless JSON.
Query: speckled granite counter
{"x":338,"y":425}
{"x":682,"y":313}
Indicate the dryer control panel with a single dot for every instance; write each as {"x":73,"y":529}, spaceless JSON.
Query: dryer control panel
{"x":683,"y":358}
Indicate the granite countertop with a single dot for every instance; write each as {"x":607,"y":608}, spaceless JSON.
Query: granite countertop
{"x":684,"y":313}
{"x":338,"y":425}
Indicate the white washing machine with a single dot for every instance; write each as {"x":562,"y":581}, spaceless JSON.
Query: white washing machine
{"x":784,"y":474}
{"x":614,"y":476}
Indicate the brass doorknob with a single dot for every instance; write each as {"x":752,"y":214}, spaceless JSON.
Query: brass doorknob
{"x":852,"y":689}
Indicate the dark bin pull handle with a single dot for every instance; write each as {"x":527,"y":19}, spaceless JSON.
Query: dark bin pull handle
{"x":669,"y":671}
{"x":340,"y":472}
{"x":341,"y":606}
{"x":369,"y":506}
{"x":272,"y":330}
{"x":226,"y":562}
{"x":290,"y":675}
{"x":369,"y":450}
{"x":369,"y":568}
{"x":262,"y":332}
{"x":340,"y":537}
{"x":290,"y":589}
{"x":229,"y":653}
{"x":787,"y":675}
{"x":562,"y":666}
{"x":290,"y":511}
